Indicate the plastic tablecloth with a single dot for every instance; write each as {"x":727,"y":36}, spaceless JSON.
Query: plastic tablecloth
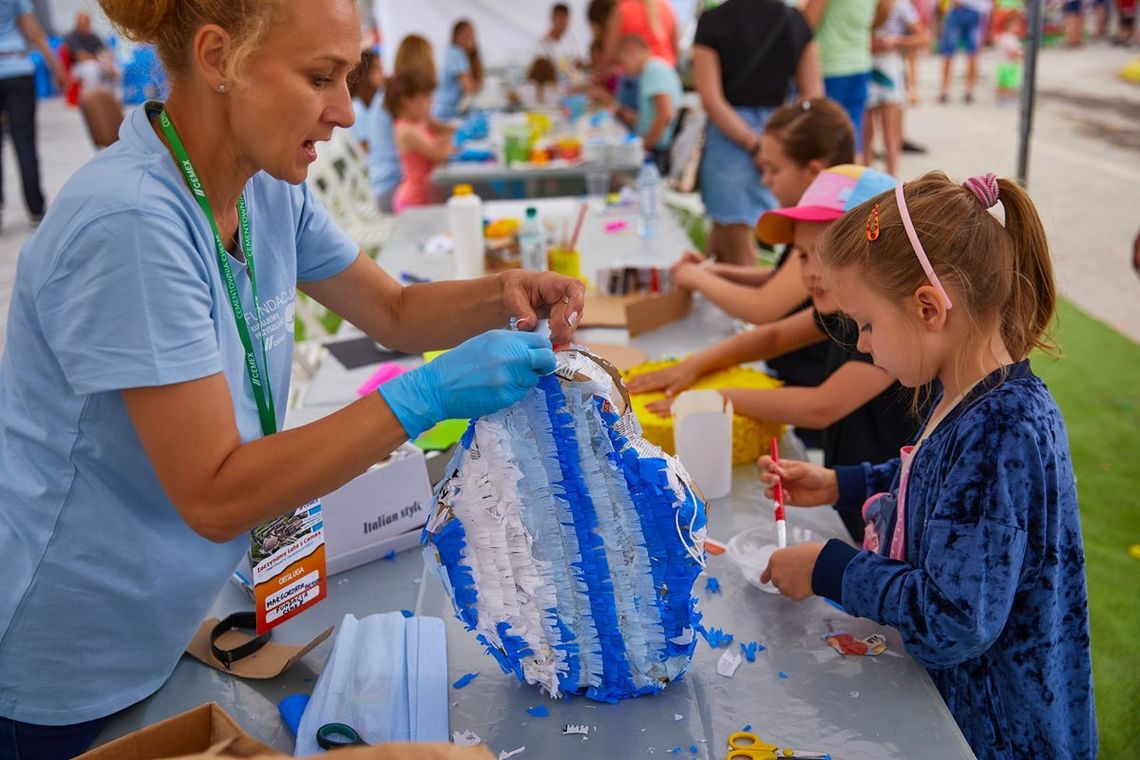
{"x":852,"y":707}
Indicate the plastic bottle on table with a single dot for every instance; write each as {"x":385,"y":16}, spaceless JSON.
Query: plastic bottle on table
{"x":465,"y":221}
{"x":649,"y":201}
{"x":532,"y":242}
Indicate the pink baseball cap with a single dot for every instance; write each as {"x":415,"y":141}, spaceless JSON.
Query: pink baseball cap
{"x":830,"y":195}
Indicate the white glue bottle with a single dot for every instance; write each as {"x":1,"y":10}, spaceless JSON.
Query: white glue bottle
{"x":465,"y":221}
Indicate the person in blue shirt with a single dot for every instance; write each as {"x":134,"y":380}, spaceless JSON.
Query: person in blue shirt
{"x":658,"y":98}
{"x":365,"y":85}
{"x":462,"y":71}
{"x":973,"y":547}
{"x":19,"y":30}
{"x":136,"y":449}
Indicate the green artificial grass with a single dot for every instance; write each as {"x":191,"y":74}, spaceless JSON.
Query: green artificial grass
{"x":1097,"y":385}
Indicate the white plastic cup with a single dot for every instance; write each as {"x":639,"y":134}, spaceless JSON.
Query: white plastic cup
{"x":702,"y":436}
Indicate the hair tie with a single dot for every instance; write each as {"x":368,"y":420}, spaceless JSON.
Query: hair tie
{"x":985,"y":189}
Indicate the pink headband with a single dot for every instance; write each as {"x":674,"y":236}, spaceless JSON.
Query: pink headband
{"x":917,"y":245}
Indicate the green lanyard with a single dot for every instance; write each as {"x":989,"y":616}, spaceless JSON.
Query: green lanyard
{"x":262,"y":392}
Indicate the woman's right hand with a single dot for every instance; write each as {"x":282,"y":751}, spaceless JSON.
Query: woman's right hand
{"x":482,"y":375}
{"x":805,"y":484}
{"x":671,"y":380}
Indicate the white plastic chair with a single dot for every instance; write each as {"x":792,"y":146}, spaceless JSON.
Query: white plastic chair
{"x":339,"y":177}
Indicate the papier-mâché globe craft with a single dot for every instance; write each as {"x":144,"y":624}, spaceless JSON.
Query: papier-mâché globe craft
{"x":569,"y":544}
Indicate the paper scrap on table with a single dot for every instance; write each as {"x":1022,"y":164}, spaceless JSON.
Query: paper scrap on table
{"x":466,"y":739}
{"x":677,"y":717}
{"x":464,"y":680}
{"x":846,"y":644}
{"x":716,"y":637}
{"x":383,"y":374}
{"x":504,"y":754}
{"x":539,"y":711}
{"x":712,"y":585}
{"x":576,"y":729}
{"x":728,"y":663}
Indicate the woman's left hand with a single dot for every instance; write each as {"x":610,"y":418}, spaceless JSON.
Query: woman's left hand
{"x":790,"y":570}
{"x":531,"y":296}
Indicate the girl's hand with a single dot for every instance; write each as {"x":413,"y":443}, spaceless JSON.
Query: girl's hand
{"x":687,"y":275}
{"x":790,"y":570}
{"x":688,"y":257}
{"x":672,"y":380}
{"x":805,"y":484}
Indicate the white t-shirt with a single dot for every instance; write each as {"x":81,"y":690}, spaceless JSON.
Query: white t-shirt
{"x":564,"y":51}
{"x":902,"y":17}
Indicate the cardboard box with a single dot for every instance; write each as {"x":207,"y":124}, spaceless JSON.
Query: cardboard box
{"x":192,"y":732}
{"x":207,"y":732}
{"x":376,"y":512}
{"x":637,"y":313}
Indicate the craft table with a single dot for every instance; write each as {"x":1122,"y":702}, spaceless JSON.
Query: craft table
{"x":852,"y":707}
{"x":537,"y":181}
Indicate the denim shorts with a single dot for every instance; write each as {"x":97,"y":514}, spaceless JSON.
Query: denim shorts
{"x":960,"y":30}
{"x":731,"y":186}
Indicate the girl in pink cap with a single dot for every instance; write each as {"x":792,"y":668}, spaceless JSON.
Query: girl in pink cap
{"x":858,"y":407}
{"x":979,"y":561}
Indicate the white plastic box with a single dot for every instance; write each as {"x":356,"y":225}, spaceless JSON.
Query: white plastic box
{"x":379,"y":511}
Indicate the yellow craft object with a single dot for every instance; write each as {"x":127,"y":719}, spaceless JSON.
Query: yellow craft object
{"x":750,"y":437}
{"x":501,"y":228}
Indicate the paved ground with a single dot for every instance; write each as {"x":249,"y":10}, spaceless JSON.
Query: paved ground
{"x":1084,"y":170}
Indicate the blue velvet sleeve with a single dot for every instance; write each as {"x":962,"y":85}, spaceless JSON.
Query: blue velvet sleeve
{"x":955,"y":601}
{"x":857,"y":483}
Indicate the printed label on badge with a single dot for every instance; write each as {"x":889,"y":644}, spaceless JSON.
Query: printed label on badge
{"x":288,"y":559}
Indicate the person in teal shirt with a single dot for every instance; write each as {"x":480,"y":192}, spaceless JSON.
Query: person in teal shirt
{"x":136,"y":449}
{"x":843,"y":32}
{"x":658,"y":97}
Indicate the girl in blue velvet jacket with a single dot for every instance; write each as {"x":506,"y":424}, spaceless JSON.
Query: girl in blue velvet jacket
{"x":974,"y":548}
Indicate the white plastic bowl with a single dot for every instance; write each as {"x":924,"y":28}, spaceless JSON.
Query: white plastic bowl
{"x":751,"y":549}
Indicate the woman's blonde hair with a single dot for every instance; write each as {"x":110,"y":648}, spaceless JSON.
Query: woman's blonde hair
{"x":170,"y":25}
{"x":1001,"y":274}
{"x":414,"y":54}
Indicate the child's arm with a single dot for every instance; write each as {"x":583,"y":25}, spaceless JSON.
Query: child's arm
{"x":662,"y":114}
{"x":744,"y":274}
{"x":783,"y":291}
{"x":437,"y":149}
{"x":762,"y":342}
{"x":848,"y":388}
{"x":953,"y":606}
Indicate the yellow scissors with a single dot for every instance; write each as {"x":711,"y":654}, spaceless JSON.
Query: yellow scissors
{"x":745,"y":745}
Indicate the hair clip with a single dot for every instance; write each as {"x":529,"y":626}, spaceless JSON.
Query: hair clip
{"x":873,"y":223}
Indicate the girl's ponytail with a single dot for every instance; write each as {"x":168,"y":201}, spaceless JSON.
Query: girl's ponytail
{"x":1028,"y":312}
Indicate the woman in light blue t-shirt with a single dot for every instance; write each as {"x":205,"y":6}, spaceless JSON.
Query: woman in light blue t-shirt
{"x":462,"y":71}
{"x":139,"y":400}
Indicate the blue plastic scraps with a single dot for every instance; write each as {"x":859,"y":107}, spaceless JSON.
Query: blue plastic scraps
{"x":390,"y":555}
{"x":750,"y":649}
{"x":712,"y":585}
{"x":783,"y":675}
{"x":407,"y":613}
{"x":539,"y":711}
{"x":464,"y":680}
{"x":747,"y":727}
{"x":693,"y":748}
{"x":715,"y":637}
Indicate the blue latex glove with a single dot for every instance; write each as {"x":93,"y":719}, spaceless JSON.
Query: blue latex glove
{"x":480,"y":376}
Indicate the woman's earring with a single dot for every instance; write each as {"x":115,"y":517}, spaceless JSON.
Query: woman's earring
{"x":222,"y":87}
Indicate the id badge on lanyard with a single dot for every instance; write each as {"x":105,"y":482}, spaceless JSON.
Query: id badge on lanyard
{"x":287,"y":553}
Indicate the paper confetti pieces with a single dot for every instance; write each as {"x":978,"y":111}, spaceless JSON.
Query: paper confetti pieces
{"x":538,"y":711}
{"x":464,"y":680}
{"x":728,"y":663}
